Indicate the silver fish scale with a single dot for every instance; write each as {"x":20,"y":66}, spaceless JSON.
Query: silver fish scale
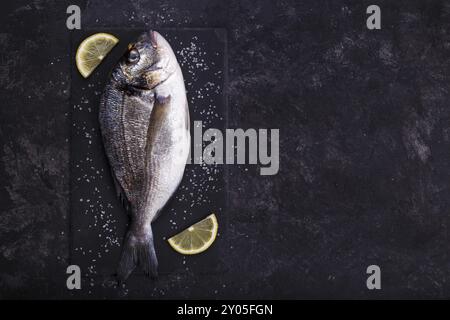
{"x":125,"y":121}
{"x":144,"y":119}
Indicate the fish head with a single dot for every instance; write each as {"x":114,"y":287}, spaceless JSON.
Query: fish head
{"x":147,"y":62}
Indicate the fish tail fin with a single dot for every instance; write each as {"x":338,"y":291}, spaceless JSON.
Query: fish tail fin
{"x":138,"y":251}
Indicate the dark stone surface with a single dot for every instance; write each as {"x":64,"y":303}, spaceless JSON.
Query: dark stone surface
{"x":364,"y":139}
{"x":98,"y":219}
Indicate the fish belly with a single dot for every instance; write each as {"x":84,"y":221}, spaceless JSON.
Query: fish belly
{"x":167,"y":159}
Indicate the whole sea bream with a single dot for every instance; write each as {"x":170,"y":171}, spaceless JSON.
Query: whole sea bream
{"x":144,"y":120}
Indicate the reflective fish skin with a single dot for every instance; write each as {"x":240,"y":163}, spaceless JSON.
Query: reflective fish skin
{"x":144,"y":120}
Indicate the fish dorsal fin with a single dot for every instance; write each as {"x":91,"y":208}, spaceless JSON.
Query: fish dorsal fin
{"x":121,"y":194}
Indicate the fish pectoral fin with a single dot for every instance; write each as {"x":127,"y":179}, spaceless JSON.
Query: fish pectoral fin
{"x":157,"y":118}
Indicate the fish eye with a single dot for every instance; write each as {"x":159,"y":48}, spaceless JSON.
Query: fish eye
{"x":133,"y":56}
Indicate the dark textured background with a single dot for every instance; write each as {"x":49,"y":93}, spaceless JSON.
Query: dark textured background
{"x":364,"y":137}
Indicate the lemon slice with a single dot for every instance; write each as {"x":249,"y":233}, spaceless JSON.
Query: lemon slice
{"x":197,"y":238}
{"x":92,"y":51}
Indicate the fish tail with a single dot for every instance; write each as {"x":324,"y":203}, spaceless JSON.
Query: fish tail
{"x":138,"y":250}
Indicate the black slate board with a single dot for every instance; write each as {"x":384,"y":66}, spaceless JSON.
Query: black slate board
{"x":98,"y":221}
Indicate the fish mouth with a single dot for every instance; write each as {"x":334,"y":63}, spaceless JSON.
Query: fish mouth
{"x":154,"y":38}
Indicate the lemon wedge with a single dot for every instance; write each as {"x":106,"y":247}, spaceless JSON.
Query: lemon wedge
{"x":197,"y":238}
{"x":92,"y":51}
